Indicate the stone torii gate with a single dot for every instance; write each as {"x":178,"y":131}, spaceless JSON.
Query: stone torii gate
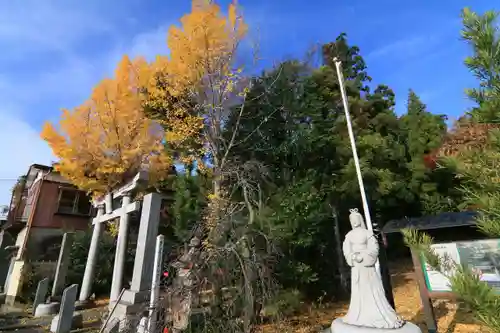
{"x":144,"y":257}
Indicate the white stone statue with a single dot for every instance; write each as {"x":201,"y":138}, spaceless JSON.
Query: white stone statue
{"x":369,"y":306}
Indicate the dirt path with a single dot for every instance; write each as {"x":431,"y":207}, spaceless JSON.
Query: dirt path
{"x":450,"y":318}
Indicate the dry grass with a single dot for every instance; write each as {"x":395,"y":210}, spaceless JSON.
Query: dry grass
{"x":451,"y":318}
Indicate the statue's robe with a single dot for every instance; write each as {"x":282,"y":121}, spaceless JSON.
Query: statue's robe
{"x":369,"y":306}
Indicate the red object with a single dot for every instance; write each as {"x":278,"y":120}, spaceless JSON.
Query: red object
{"x":165,"y":330}
{"x":430,"y":161}
{"x":165,"y":274}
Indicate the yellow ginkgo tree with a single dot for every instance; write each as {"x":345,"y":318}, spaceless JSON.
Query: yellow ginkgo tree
{"x":193,"y":91}
{"x":108,"y":139}
{"x":193,"y":87}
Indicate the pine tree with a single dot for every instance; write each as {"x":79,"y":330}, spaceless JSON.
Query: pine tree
{"x":481,"y":32}
{"x":473,"y":148}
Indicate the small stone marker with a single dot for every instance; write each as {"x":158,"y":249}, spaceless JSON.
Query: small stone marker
{"x":63,"y":322}
{"x":155,"y":284}
{"x":41,"y":293}
{"x":62,"y":264}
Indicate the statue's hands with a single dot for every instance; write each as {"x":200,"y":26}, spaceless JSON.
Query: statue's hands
{"x":357,"y":257}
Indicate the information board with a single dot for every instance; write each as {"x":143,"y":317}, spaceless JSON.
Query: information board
{"x":482,"y":256}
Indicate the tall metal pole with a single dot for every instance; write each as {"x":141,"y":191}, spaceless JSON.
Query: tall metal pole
{"x":382,"y":270}
{"x":366,"y":210}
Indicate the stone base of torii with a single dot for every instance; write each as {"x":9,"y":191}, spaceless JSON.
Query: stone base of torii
{"x":124,"y":302}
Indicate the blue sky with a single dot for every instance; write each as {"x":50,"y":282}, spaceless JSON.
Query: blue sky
{"x":54,"y":51}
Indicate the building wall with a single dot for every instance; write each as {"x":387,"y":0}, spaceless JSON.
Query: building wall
{"x":47,"y":225}
{"x":46,"y":214}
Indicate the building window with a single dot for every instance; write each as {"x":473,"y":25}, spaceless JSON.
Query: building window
{"x":73,"y":202}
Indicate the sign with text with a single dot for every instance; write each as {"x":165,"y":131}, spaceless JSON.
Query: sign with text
{"x":482,"y":256}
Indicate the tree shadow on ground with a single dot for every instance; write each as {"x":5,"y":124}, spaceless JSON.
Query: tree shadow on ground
{"x":12,"y":316}
{"x":401,"y":273}
{"x":400,"y":279}
{"x":313,"y":319}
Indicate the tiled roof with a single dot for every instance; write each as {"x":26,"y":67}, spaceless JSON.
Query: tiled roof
{"x":440,"y":221}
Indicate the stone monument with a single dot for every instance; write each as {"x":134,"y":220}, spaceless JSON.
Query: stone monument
{"x":369,"y":310}
{"x":52,"y":306}
{"x":41,"y":293}
{"x":67,"y":319}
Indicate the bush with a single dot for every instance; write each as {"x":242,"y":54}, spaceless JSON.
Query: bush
{"x":29,"y":285}
{"x":286,"y":303}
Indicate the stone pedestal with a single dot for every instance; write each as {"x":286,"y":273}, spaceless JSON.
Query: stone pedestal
{"x":76,"y":322}
{"x":124,"y":317}
{"x":47,"y":309}
{"x":338,"y":326}
{"x":82,"y":305}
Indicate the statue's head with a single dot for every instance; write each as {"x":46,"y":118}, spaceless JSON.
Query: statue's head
{"x":356,"y":219}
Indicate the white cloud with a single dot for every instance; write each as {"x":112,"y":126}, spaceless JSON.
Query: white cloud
{"x":39,"y":66}
{"x":423,"y":45}
{"x":33,"y":26}
{"x":45,"y":40}
{"x":150,"y":43}
{"x":42,"y":44}
{"x":405,"y":47}
{"x":146,"y":44}
{"x":22,"y":146}
{"x":59,"y":31}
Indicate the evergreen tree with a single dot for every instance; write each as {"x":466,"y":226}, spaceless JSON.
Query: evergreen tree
{"x":434,"y":189}
{"x":424,"y":130}
{"x":473,"y":148}
{"x":299,"y":132}
{"x":482,"y":33}
{"x":376,"y":128}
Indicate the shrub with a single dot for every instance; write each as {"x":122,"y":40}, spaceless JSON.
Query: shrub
{"x":285,"y":303}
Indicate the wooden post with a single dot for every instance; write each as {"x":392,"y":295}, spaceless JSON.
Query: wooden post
{"x":428,"y":308}
{"x":385,"y":274}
